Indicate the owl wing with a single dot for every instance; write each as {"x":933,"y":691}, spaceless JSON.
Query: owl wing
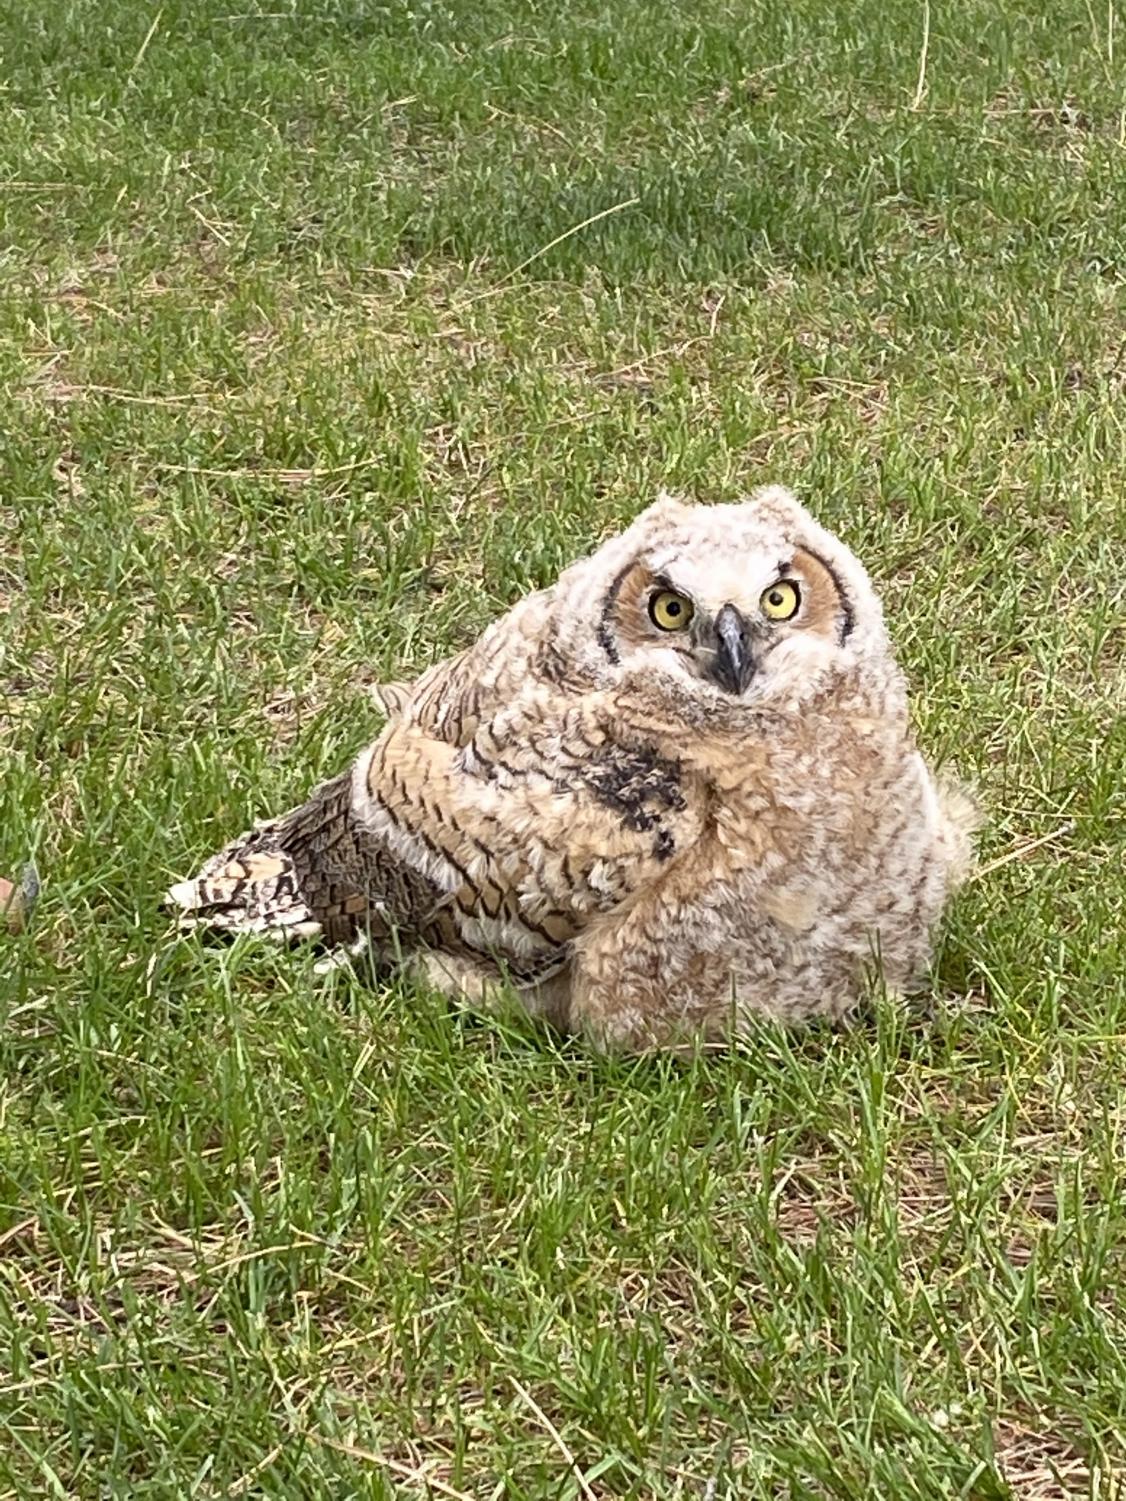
{"x":453,"y":698}
{"x":499,"y":851}
{"x":530,"y":831}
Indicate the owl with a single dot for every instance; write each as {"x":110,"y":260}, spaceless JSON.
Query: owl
{"x":673,"y":792}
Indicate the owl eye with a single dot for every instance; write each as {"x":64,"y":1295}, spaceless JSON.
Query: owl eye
{"x":670,"y":611}
{"x":780,"y":601}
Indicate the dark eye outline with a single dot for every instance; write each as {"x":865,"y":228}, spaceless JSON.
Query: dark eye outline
{"x":777,"y":584}
{"x":676,"y":597}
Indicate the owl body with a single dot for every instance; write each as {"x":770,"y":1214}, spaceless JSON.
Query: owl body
{"x":675,"y":791}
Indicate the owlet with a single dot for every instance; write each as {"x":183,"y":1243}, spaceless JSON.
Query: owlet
{"x":675,"y":790}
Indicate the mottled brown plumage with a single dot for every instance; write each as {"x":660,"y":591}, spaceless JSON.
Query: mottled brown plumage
{"x":674,"y":790}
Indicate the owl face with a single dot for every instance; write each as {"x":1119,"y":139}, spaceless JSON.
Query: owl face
{"x":747,"y":601}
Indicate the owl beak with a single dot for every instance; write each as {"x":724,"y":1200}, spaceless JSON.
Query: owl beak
{"x":734,"y":664}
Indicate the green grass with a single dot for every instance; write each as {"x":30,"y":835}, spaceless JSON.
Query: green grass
{"x":295,"y":396}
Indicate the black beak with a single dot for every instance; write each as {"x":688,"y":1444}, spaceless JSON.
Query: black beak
{"x":735,"y":663}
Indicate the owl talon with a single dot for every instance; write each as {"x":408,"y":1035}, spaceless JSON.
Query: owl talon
{"x":343,"y":958}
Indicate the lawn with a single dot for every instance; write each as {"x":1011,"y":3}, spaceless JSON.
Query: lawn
{"x":326,"y":331}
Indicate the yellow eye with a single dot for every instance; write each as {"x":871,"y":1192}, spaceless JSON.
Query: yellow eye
{"x":670,"y":611}
{"x":780,"y":601}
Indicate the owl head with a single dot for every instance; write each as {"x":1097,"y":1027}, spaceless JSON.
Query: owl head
{"x":750,"y":603}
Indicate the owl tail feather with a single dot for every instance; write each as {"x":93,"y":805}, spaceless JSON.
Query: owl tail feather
{"x":250,"y":887}
{"x":297,"y":876}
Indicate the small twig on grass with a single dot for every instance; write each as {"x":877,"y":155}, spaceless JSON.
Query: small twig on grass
{"x":288,"y":476}
{"x":114,"y":393}
{"x":504,"y":114}
{"x":556,"y":1438}
{"x":25,"y":185}
{"x":715,"y":314}
{"x":1020,"y":850}
{"x":396,"y":1466}
{"x":921,"y":86}
{"x":244,"y":1482}
{"x":210,"y":225}
{"x":144,"y":47}
{"x":615,"y":208}
{"x":13,"y":1232}
{"x":210,"y":1269}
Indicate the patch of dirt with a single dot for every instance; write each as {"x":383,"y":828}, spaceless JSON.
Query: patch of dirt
{"x":812,"y":1197}
{"x":1040,"y":1463}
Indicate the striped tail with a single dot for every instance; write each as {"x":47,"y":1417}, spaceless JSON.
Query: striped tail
{"x":299,"y":876}
{"x":250,"y":887}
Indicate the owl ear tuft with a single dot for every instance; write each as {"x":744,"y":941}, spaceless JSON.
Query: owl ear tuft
{"x":778,"y":496}
{"x":666,"y":505}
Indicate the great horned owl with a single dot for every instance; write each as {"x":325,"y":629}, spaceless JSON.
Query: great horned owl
{"x":673,"y":790}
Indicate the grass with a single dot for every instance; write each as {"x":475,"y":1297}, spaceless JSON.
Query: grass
{"x":303,"y":377}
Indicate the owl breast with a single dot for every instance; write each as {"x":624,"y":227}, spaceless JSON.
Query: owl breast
{"x":822,"y":858}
